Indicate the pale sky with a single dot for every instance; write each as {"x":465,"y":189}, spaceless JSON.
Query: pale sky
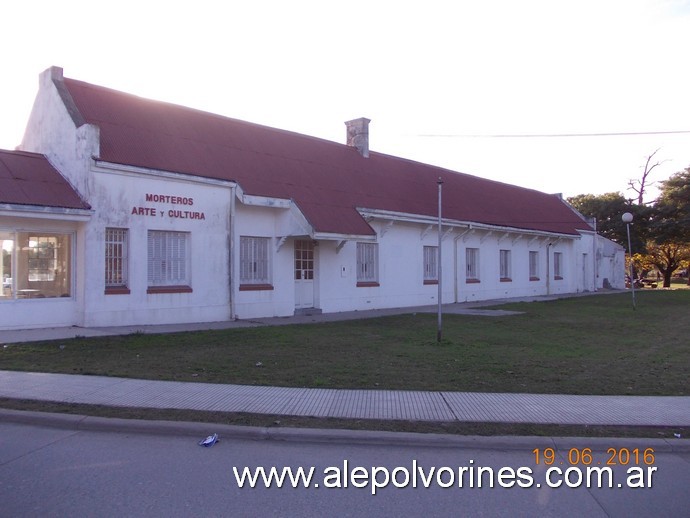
{"x":439,"y":79}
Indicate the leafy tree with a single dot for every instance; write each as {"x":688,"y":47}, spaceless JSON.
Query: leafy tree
{"x":672,"y":210}
{"x":670,"y":226}
{"x":608,"y":210}
{"x":660,"y":234}
{"x":667,"y":258}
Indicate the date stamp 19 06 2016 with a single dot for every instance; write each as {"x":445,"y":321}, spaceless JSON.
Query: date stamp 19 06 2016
{"x":587,"y":457}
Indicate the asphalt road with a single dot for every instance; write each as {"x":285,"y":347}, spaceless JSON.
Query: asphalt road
{"x":64,"y":472}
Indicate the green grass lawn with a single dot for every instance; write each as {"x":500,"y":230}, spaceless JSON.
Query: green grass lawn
{"x":586,"y":345}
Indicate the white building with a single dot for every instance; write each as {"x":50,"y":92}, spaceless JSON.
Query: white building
{"x":167,"y":214}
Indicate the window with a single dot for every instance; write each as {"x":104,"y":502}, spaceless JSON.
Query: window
{"x":367,"y":264}
{"x":304,"y":260}
{"x":116,"y":267}
{"x":534,"y":266}
{"x":472,"y":265}
{"x":35,"y":265}
{"x":557,"y":265}
{"x":42,"y":258}
{"x":430,"y":265}
{"x":6,"y":264}
{"x":505,"y":273}
{"x":254,"y":263}
{"x":168,"y":262}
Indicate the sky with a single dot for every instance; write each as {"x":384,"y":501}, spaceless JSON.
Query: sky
{"x":564,"y":97}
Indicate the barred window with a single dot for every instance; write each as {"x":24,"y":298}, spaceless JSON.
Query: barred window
{"x":534,"y":266}
{"x":557,"y":265}
{"x":367,"y":263}
{"x":168,"y":258}
{"x":254,"y":260}
{"x":431,"y":263}
{"x":472,"y":264}
{"x":505,"y":266}
{"x":116,"y":257}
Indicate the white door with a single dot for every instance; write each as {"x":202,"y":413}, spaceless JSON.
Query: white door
{"x":304,"y":274}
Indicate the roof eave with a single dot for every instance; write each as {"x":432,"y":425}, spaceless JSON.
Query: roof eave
{"x":43,"y":212}
{"x":432,"y":220}
{"x":105,"y":166}
{"x":334,"y":236}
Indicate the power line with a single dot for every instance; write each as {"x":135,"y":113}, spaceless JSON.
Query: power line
{"x":551,"y":135}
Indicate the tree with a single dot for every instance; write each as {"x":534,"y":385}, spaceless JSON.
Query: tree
{"x":670,"y":225}
{"x":671,"y":220}
{"x":660,"y":234}
{"x":667,"y":258}
{"x":608,"y":210}
{"x":640,"y":186}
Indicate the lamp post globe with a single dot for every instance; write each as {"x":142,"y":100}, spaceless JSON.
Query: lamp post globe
{"x":627,"y":219}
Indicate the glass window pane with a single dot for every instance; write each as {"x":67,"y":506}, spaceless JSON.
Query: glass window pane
{"x":44,"y":265}
{"x":6,"y":265}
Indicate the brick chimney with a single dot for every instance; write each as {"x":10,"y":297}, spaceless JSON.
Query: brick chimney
{"x":358,"y":135}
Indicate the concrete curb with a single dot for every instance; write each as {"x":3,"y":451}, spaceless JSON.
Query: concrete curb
{"x":334,"y":436}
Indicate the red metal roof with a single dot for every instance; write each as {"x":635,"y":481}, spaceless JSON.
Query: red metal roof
{"x":327,"y":180}
{"x":29,"y":179}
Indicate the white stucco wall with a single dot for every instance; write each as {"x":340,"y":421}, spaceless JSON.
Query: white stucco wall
{"x":272,"y":223}
{"x":611,"y":261}
{"x":117,"y":197}
{"x":51,"y":131}
{"x":490,"y":285}
{"x":401,"y":268}
{"x":400,"y":272}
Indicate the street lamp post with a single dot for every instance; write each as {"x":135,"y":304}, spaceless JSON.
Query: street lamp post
{"x":627,"y":219}
{"x":439,"y":332}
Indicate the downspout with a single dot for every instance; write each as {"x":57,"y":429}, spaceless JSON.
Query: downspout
{"x":231,"y":251}
{"x":548,"y":269}
{"x":595,"y":263}
{"x":455,"y":267}
{"x":455,"y":260}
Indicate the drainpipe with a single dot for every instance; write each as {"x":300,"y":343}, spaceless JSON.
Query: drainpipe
{"x":455,"y":268}
{"x":455,"y":263}
{"x":594,"y":255}
{"x":231,"y":250}
{"x":439,"y":333}
{"x":548,"y":268}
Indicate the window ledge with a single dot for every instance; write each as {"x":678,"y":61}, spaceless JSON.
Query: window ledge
{"x":558,"y":278}
{"x":472,"y":281}
{"x":534,"y":278}
{"x":256,"y":287}
{"x":117,"y":290}
{"x":429,"y":281}
{"x":506,"y":279}
{"x":367,"y":284}
{"x":169,"y":289}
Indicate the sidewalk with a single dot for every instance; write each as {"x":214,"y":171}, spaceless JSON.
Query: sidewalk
{"x":348,"y":404}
